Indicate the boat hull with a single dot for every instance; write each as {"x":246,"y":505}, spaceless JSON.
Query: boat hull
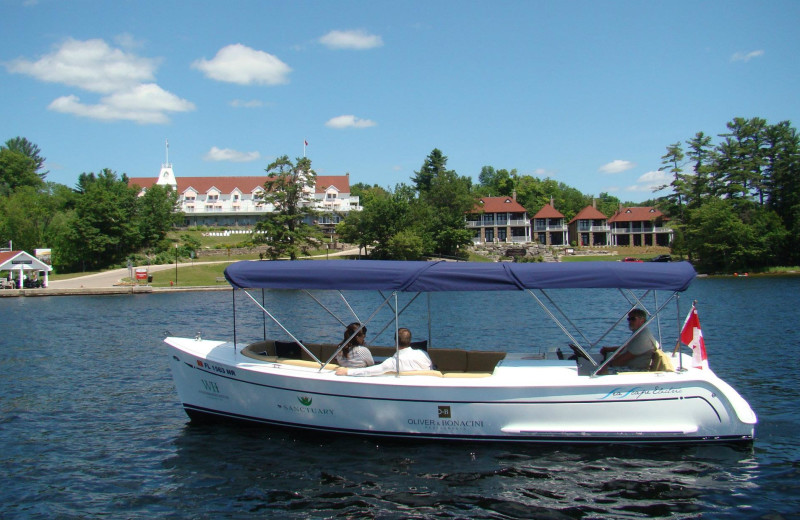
{"x":524,"y":401}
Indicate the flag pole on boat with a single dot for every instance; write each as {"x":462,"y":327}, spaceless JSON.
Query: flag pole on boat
{"x":677,"y":349}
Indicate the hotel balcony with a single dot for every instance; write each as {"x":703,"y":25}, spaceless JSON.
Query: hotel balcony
{"x":624,"y":231}
{"x":594,"y":229}
{"x":544,"y":229}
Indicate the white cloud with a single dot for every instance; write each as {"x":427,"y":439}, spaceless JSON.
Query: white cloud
{"x":616,"y":166}
{"x":647,"y":182}
{"x":95,"y":66}
{"x":349,"y":121}
{"x":127,"y":41}
{"x":354,"y":39}
{"x":227,"y":154}
{"x":242,"y":65}
{"x":144,"y":104}
{"x":544,"y":173}
{"x":746,"y":56}
{"x":253,"y":103}
{"x":90,"y":65}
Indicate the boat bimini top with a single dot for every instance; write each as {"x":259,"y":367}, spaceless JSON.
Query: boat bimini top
{"x":420,"y":276}
{"x":426,"y":277}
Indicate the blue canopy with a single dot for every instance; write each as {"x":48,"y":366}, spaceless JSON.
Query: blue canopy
{"x":391,"y":275}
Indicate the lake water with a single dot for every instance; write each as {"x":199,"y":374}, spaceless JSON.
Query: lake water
{"x":90,"y":424}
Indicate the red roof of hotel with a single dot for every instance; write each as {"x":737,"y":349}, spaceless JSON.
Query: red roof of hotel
{"x":548,"y":211}
{"x":340,"y":182}
{"x":637,"y":214}
{"x":244,"y":184}
{"x":589,"y":213}
{"x":499,"y":205}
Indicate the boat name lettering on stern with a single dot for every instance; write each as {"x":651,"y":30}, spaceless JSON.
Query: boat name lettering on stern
{"x":215,"y":368}
{"x":445,"y":421}
{"x":306,"y":408}
{"x":637,"y":393}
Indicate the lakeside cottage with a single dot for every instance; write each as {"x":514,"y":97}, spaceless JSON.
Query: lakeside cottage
{"x":499,"y":219}
{"x":549,"y":226}
{"x":590,"y":227}
{"x":639,"y":226}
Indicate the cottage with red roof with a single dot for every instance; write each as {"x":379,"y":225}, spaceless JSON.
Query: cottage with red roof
{"x":590,"y":227}
{"x":499,"y":219}
{"x":232,"y":201}
{"x":550,"y":227}
{"x":639,"y":226}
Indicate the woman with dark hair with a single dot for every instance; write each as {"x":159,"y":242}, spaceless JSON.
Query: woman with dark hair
{"x":355,"y":354}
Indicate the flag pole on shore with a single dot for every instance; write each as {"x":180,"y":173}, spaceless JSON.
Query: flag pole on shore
{"x":305,"y":143}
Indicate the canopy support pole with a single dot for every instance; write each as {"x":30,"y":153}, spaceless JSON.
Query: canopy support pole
{"x":636,"y":333}
{"x":558,"y":323}
{"x":233,"y":295}
{"x":396,"y":330}
{"x":264,"y":318}
{"x":337,"y":318}
{"x":401,"y":311}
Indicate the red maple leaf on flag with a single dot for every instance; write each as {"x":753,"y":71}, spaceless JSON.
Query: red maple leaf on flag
{"x":692,"y":336}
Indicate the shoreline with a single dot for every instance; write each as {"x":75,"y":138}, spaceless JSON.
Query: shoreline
{"x":103,"y":291}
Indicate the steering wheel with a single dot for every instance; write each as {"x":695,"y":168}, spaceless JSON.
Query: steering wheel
{"x":576,"y":352}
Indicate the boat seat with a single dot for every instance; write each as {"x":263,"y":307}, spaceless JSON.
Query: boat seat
{"x":304,"y":363}
{"x":378,"y":351}
{"x":467,"y":374}
{"x":661,"y":362}
{"x":267,"y":347}
{"x":433,"y":373}
{"x":314,"y":348}
{"x":288,"y":349}
{"x":483,"y":360}
{"x":449,"y":359}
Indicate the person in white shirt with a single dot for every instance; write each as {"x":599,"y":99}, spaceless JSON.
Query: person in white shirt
{"x":404,"y":360}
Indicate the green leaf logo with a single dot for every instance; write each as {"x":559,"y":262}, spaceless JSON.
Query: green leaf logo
{"x":305,"y":401}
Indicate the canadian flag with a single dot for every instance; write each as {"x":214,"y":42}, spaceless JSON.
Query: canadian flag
{"x":692,"y":336}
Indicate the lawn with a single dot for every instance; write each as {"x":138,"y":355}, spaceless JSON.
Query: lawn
{"x":201,"y":274}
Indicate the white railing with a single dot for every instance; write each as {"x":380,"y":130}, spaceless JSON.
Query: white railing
{"x":594,"y":229}
{"x":503,"y":223}
{"x":630,"y":231}
{"x":540,"y":229}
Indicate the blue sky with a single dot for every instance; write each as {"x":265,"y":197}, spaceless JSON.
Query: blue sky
{"x":588,"y":93}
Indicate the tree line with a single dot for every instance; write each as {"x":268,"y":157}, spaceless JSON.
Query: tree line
{"x":101,"y":222}
{"x":426,"y":217}
{"x":734,"y":205}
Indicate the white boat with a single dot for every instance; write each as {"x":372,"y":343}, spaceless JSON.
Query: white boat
{"x":473,"y":394}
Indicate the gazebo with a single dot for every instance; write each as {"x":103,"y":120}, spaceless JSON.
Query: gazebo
{"x":20,"y":261}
